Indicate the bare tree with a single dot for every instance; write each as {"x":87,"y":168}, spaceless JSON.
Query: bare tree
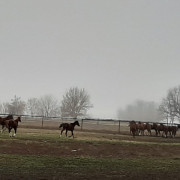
{"x":17,"y":106}
{"x":75,"y":103}
{"x":48,"y":106}
{"x":4,"y":108}
{"x":32,"y":106}
{"x":170,"y":105}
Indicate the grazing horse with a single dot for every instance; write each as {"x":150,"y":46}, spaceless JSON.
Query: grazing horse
{"x":68,"y":127}
{"x":2,"y":121}
{"x":12,"y":124}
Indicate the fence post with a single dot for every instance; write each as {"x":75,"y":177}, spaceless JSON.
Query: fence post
{"x":42,"y":121}
{"x":119,"y":125}
{"x":81,"y":124}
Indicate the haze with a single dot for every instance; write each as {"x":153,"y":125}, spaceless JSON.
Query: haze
{"x":119,"y":51}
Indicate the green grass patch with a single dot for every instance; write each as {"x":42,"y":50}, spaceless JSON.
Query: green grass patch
{"x":37,"y":167}
{"x":52,"y":136}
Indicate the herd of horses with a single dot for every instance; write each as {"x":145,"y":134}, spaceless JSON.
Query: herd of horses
{"x":136,"y":128}
{"x":139,"y":128}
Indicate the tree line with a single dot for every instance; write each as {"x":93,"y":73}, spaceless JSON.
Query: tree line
{"x":168,"y":109}
{"x":141,"y":110}
{"x":75,"y":103}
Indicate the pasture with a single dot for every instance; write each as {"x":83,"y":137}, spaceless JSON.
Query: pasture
{"x":40,"y":154}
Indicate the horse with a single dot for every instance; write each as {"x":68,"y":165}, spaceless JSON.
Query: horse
{"x":162,"y":128}
{"x":133,"y":128}
{"x":141,"y":127}
{"x":68,"y":127}
{"x":155,"y":127}
{"x":12,"y":124}
{"x":2,"y":121}
{"x":172,"y":130}
{"x":148,"y":127}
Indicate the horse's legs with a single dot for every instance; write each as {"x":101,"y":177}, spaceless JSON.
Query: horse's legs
{"x":162,"y":133}
{"x":61,"y":132}
{"x":133,"y":133}
{"x":15,"y":129}
{"x":2,"y":128}
{"x":9,"y":131}
{"x":156,"y":132}
{"x":66,"y":132}
{"x":143,"y":132}
{"x":72,"y":134}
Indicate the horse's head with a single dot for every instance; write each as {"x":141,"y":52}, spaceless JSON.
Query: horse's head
{"x":132,"y":122}
{"x":19,"y":118}
{"x":61,"y":125}
{"x":76,"y":123}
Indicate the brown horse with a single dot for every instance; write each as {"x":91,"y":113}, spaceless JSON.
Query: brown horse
{"x":12,"y":124}
{"x":155,"y":127}
{"x":133,"y":128}
{"x":141,"y":127}
{"x":2,"y":121}
{"x":172,"y":130}
{"x":68,"y":127}
{"x":148,"y":127}
{"x":162,"y":128}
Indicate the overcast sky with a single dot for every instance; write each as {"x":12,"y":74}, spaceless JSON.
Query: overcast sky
{"x":118,"y":50}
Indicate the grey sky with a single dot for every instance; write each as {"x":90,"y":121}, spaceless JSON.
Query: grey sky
{"x":118,"y":50}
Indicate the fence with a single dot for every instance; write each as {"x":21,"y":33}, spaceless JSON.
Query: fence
{"x":115,"y":126}
{"x":110,"y":125}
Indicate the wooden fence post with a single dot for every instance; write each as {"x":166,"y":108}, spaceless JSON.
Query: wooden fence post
{"x":81,"y":124}
{"x":42,"y":121}
{"x":119,"y":125}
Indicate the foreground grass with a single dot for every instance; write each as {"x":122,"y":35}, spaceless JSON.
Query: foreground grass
{"x":18,"y":166}
{"x":52,"y":167}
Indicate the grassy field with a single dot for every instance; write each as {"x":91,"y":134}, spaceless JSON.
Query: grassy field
{"x":41,"y":154}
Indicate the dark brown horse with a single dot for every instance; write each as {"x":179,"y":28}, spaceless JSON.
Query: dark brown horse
{"x":68,"y":127}
{"x":155,"y":127}
{"x":133,"y":128}
{"x":160,"y":128}
{"x":2,"y":121}
{"x":12,"y":124}
{"x":148,"y":128}
{"x":172,"y":130}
